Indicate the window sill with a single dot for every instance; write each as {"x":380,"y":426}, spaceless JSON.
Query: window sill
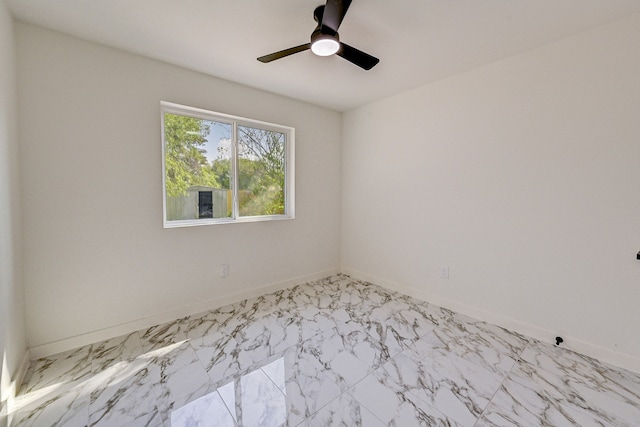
{"x":218,"y":221}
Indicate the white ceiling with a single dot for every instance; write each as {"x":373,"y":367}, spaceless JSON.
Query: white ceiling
{"x":417,"y":41}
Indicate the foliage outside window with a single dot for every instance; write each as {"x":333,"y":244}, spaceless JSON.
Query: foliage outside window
{"x":219,"y":168}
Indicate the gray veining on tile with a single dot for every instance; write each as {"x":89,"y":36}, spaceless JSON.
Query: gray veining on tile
{"x":256,"y":401}
{"x":68,"y":408}
{"x":124,"y":394}
{"x":64,"y":368}
{"x":332,"y":352}
{"x":345,"y":410}
{"x":110,"y":352}
{"x":395,"y":406}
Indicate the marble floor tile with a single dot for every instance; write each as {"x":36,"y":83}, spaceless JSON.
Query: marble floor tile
{"x":221,"y":357}
{"x":454,"y":386}
{"x":347,"y":350}
{"x":110,"y":352}
{"x":332,"y":352}
{"x":182,"y":374}
{"x":205,"y":410}
{"x":396,"y":325}
{"x":276,"y":372}
{"x":345,"y":410}
{"x":64,"y":368}
{"x":572,"y":398}
{"x":64,"y":408}
{"x":200,"y":325}
{"x":309,"y":384}
{"x":534,"y":404}
{"x":395,"y":406}
{"x":255,"y":400}
{"x":124,"y":394}
{"x":163,"y":335}
{"x":490,"y":347}
{"x":580,"y":371}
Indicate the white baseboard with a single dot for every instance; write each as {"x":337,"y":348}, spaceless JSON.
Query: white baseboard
{"x":147,"y":322}
{"x":603,"y":354}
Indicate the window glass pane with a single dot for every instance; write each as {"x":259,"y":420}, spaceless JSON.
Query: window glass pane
{"x":261,"y":171}
{"x":197,"y":168}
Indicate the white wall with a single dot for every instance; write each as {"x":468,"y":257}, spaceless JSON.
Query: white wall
{"x":96,"y":255}
{"x":12,"y":330}
{"x":524,"y":178}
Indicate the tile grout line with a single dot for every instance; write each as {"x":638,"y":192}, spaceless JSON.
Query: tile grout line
{"x":506,"y":377}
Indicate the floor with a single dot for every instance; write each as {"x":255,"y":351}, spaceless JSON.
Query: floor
{"x":336,"y":352}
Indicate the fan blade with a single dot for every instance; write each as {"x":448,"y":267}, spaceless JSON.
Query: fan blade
{"x":334,"y":12}
{"x":358,"y":57}
{"x":283,"y":53}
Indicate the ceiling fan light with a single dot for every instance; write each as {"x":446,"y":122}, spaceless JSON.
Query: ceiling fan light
{"x":325,"y":46}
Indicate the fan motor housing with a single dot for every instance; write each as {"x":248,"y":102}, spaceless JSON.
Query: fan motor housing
{"x":323,"y":43}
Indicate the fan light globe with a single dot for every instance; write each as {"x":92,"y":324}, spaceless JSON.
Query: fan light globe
{"x":325,"y":46}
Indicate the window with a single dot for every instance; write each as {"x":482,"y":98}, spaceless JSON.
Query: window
{"x":219,"y":168}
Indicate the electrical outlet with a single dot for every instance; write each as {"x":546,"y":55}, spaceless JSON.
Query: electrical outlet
{"x":224,"y":270}
{"x":444,"y":272}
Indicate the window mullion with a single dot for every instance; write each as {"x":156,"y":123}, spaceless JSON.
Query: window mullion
{"x":235,"y":182}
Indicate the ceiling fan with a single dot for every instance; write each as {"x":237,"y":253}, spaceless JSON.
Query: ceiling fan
{"x":325,"y":40}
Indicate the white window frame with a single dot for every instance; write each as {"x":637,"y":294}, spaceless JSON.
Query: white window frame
{"x":234,"y":121}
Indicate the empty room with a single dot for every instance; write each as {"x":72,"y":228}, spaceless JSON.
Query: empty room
{"x":309,"y":213}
